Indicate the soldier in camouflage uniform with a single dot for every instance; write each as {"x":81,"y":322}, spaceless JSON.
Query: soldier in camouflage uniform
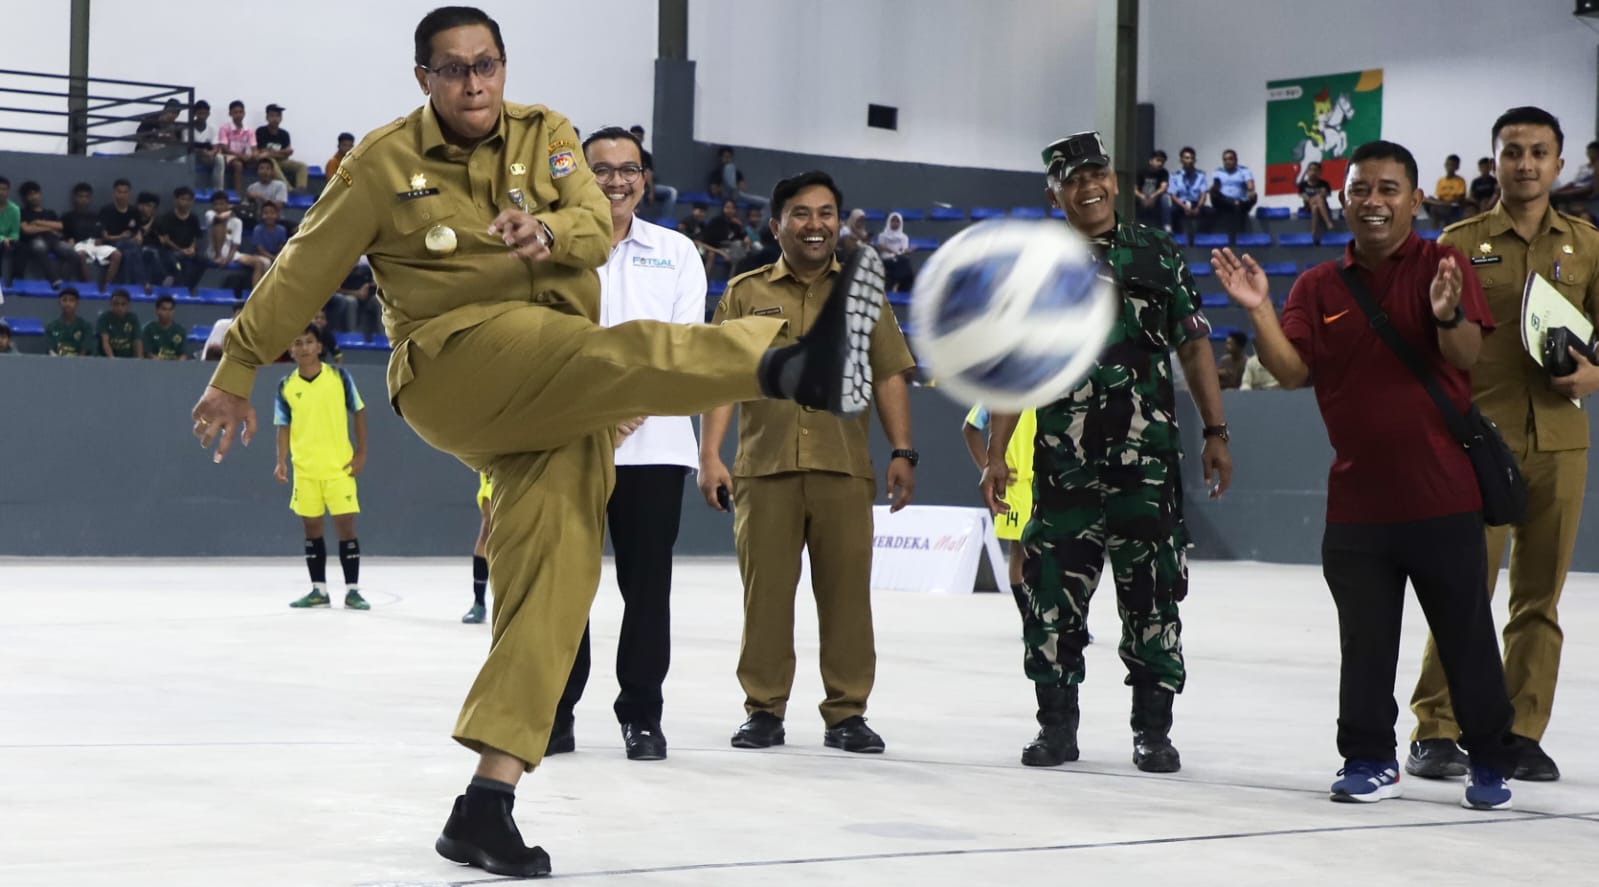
{"x":1106,"y":477}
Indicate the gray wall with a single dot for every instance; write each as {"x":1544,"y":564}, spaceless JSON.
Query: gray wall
{"x":57,"y":173}
{"x":96,"y":459}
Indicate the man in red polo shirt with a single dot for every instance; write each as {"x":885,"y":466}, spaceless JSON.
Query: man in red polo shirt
{"x":1402,"y":499}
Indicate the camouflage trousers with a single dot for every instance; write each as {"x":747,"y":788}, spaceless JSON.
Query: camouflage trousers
{"x":1081,"y":512}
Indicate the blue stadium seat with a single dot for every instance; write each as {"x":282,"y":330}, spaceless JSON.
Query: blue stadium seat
{"x":1210,"y":240}
{"x":1252,"y":239}
{"x":1178,"y":237}
{"x":349,"y":341}
{"x":947,"y":214}
{"x":199,"y":333}
{"x":689,"y":198}
{"x":667,"y":222}
{"x":1028,"y":212}
{"x":876,"y":215}
{"x":911,"y":215}
{"x":315,"y":172}
{"x":301,"y":201}
{"x":1280,"y":269}
{"x":210,"y":296}
{"x":1429,"y":233}
{"x":1213,"y":300}
{"x":1057,"y":213}
{"x":1201,"y":269}
{"x":1295,"y":238}
{"x":26,"y":326}
{"x":1302,"y":213}
{"x":1337,"y":238}
{"x":28,"y":287}
{"x":233,"y":196}
{"x":1273,"y":212}
{"x":924,"y":243}
{"x":716,"y":287}
{"x":88,"y":292}
{"x":202,"y":195}
{"x":979,"y":213}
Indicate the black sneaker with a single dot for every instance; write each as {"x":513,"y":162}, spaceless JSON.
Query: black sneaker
{"x":835,"y":373}
{"x":1435,"y":759}
{"x":481,"y":832}
{"x":644,"y":742}
{"x":761,"y":730}
{"x":1535,"y":764}
{"x":852,"y":735}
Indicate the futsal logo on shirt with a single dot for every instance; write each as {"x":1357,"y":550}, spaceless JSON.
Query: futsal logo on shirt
{"x":647,"y":262}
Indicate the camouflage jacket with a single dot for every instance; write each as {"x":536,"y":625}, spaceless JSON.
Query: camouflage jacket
{"x":1127,"y":404}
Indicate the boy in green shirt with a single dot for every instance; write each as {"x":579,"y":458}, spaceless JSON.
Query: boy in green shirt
{"x":164,"y":337}
{"x":118,"y":329}
{"x":69,"y":334}
{"x":10,"y":230}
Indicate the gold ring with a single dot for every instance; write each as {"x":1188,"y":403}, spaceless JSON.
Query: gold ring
{"x":202,"y":422}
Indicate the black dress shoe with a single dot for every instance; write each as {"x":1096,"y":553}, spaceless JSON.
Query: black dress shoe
{"x":1535,"y":764}
{"x":480,"y":832}
{"x":1435,"y":759}
{"x":645,"y":742}
{"x":852,"y":734}
{"x":762,"y":730}
{"x":561,"y":738}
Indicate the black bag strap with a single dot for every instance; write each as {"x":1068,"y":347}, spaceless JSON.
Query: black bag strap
{"x":1406,"y":354}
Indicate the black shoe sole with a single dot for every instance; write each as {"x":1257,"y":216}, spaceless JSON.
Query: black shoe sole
{"x":1158,"y":764}
{"x":471,"y":854}
{"x":1531,"y":775}
{"x":649,"y":754}
{"x":746,"y":742}
{"x":1036,"y":761}
{"x":1446,"y":770}
{"x":859,"y":750}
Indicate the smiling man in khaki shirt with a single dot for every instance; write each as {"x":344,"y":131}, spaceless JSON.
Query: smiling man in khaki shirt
{"x":483,"y":226}
{"x":804,"y":481}
{"x":1522,"y":234}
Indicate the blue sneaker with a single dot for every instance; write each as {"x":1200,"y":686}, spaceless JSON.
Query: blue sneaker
{"x":1486,"y":790}
{"x":1367,"y":781}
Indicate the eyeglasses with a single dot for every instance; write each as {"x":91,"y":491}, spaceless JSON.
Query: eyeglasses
{"x":484,"y":68}
{"x":629,"y":172}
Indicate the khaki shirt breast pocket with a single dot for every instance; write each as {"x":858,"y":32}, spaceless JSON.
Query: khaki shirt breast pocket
{"x":414,"y":218}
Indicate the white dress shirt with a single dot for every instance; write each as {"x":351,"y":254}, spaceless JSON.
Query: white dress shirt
{"x":655,"y":273}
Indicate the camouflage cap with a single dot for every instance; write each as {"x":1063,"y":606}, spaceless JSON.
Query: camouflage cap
{"x":1065,"y":156}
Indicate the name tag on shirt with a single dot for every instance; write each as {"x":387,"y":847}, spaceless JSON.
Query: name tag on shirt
{"x":1487,"y":260}
{"x":767,"y":312}
{"x":419,"y":192}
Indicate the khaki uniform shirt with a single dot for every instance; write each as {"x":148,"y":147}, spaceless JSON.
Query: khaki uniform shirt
{"x":778,"y":436}
{"x":1508,"y":386}
{"x":403,"y":181}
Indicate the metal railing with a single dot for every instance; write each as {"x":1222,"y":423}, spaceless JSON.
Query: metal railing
{"x":91,"y":119}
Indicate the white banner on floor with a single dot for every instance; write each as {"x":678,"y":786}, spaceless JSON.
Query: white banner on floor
{"x":936,"y":549}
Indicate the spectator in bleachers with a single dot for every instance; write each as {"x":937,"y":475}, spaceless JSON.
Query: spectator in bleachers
{"x":207,"y":153}
{"x":268,"y":188}
{"x":224,"y":231}
{"x":725,"y":235}
{"x":1485,"y":188}
{"x":660,"y":199}
{"x":69,"y":335}
{"x":693,"y":228}
{"x":179,"y":236}
{"x":1256,"y":376}
{"x":149,"y":239}
{"x":238,"y":144}
{"x":269,"y":237}
{"x":1230,"y":366}
{"x":164,"y":337}
{"x":1189,"y":191}
{"x":41,"y":242}
{"x":1315,"y":192}
{"x":354,"y":308}
{"x":10,"y":232}
{"x":1580,"y":197}
{"x":273,"y":141}
{"x":81,"y":228}
{"x":1232,"y":192}
{"x":329,"y":340}
{"x":755,"y":227}
{"x":118,"y":328}
{"x":119,"y":227}
{"x":5,"y":339}
{"x":1154,"y":204}
{"x":346,"y":145}
{"x":727,"y":182}
{"x":854,"y":234}
{"x":1447,"y":205}
{"x":212,"y":349}
{"x":160,"y":130}
{"x":894,"y":245}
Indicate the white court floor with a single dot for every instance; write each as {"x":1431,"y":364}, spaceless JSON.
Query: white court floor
{"x":174,"y":723}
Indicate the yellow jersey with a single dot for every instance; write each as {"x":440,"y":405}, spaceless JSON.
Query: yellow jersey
{"x":317,"y":413}
{"x":1019,"y":453}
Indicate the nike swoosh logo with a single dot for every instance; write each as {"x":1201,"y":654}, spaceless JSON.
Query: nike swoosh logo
{"x":1329,"y":318}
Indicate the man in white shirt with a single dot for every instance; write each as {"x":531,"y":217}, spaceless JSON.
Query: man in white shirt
{"x":653,"y":273}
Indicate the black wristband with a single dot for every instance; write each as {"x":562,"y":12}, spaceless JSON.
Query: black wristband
{"x":1451,"y":323}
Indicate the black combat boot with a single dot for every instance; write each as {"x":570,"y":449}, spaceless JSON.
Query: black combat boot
{"x":1057,"y":727}
{"x":1152,"y":748}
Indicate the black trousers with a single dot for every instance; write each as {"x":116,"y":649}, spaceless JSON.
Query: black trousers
{"x":1445,"y":559}
{"x":645,"y":509}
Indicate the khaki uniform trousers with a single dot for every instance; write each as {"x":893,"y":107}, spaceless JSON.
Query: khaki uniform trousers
{"x":532,"y":397}
{"x":1540,"y":555}
{"x":297,"y":174}
{"x":774,"y":518}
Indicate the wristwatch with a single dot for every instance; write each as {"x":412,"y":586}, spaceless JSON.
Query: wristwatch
{"x":1217,"y":431}
{"x":1452,"y":322}
{"x":910,"y":456}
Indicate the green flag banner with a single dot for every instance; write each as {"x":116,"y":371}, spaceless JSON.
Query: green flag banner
{"x":1319,"y":120}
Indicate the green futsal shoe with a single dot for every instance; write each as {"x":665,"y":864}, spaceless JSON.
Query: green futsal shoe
{"x":354,"y":601}
{"x":317,"y":598}
{"x":475,"y":616}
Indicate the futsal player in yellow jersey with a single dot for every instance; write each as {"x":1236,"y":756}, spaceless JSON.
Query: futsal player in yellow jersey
{"x":312,"y":414}
{"x":480,"y":563}
{"x":1019,"y":492}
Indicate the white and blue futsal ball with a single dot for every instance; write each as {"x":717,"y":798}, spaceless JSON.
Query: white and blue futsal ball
{"x":1012,"y":314}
